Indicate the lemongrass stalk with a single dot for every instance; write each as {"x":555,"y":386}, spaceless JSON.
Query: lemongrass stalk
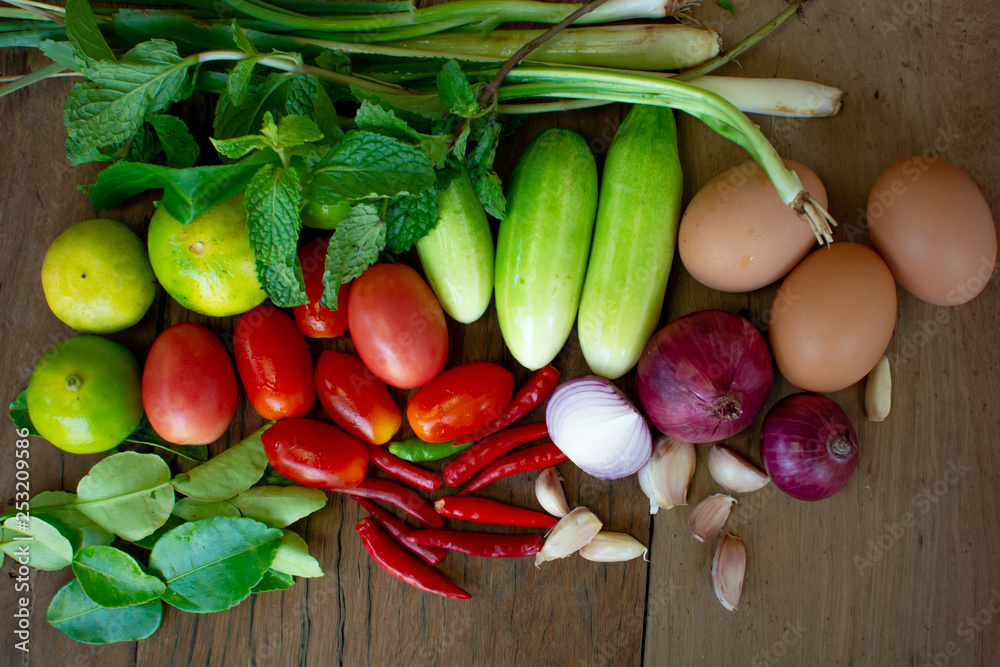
{"x":714,"y":110}
{"x":775,"y":97}
{"x":550,"y":107}
{"x":388,"y":35}
{"x":641,"y":47}
{"x":18,"y":82}
{"x":484,"y":12}
{"x":21,"y":15}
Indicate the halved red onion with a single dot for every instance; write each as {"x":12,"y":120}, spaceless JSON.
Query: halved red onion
{"x":705,"y":376}
{"x":598,"y":428}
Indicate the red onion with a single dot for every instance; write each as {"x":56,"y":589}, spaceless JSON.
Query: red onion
{"x":705,"y":376}
{"x":808,"y":446}
{"x":598,"y":428}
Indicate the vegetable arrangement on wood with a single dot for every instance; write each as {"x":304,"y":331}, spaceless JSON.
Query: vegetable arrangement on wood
{"x":346,"y":134}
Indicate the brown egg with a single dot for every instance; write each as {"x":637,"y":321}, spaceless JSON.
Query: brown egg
{"x":832,"y":317}
{"x":934,"y":228}
{"x":737,"y":235}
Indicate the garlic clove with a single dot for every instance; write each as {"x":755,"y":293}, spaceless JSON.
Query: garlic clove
{"x":733,"y":471}
{"x":570,"y":535}
{"x":728,"y":567}
{"x":550,"y":493}
{"x":667,"y":475}
{"x":609,"y":547}
{"x":878,"y":391}
{"x":709,"y":516}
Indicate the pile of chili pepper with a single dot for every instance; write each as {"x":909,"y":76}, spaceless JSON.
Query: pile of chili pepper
{"x":485,"y":455}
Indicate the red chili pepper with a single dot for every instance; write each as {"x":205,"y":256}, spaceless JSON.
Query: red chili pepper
{"x":480,"y":544}
{"x":484,"y":510}
{"x":403,"y":565}
{"x":400,"y":497}
{"x":487,"y":451}
{"x":403,"y":470}
{"x":527,"y":398}
{"x":532,"y":458}
{"x":399,"y":530}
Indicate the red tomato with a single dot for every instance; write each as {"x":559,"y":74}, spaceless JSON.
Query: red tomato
{"x":274,"y":363}
{"x":316,"y":454}
{"x":189,"y":387}
{"x":397,"y":326}
{"x":459,"y":401}
{"x":314,"y":320}
{"x":355,"y":399}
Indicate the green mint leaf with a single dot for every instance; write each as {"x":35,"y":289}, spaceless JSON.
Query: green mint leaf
{"x":490,"y":193}
{"x":283,"y":281}
{"x":241,"y":39}
{"x":237,"y":147}
{"x":409,"y":217}
{"x":128,"y":494}
{"x":113,"y":579}
{"x":336,"y":61}
{"x":354,"y":246}
{"x":325,"y":114}
{"x":145,"y":145}
{"x":60,"y":53}
{"x":458,"y":147}
{"x":272,"y":204}
{"x":81,"y":29}
{"x":108,"y":108}
{"x":238,"y":84}
{"x":177,"y":142}
{"x":414,"y":109}
{"x":212,"y":565}
{"x":295,"y":130}
{"x":374,"y":117}
{"x":436,"y":146}
{"x":365,"y":165}
{"x":187,"y":193}
{"x":298,"y":94}
{"x":81,"y":619}
{"x":280,"y":94}
{"x":455,"y":92}
{"x":481,"y":157}
{"x":727,"y":5}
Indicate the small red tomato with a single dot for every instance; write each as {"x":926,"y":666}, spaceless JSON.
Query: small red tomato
{"x":189,"y":386}
{"x":397,"y":326}
{"x":355,"y":399}
{"x":274,"y":363}
{"x":316,"y":454}
{"x":314,"y":320}
{"x":459,"y":401}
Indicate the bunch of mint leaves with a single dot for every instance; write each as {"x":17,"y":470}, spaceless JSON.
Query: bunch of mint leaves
{"x":281,"y":142}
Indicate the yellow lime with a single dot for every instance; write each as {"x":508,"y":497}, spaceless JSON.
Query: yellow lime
{"x":84,"y":394}
{"x":207,"y":265}
{"x":97,"y":278}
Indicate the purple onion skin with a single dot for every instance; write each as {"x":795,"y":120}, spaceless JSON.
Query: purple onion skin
{"x":705,"y":376}
{"x":808,"y":446}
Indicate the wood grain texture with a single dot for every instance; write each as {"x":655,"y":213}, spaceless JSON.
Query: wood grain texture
{"x":842,"y":581}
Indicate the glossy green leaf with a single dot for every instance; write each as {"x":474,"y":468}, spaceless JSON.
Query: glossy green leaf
{"x":231,"y":472}
{"x":60,"y":504}
{"x":112,"y":578}
{"x":128,"y":494}
{"x":274,"y":581}
{"x":19,"y":414}
{"x":47,"y":550}
{"x":279,"y":506}
{"x":213,"y":564}
{"x":192,"y":509}
{"x":149,"y":541}
{"x":293,"y":557}
{"x":80,"y":618}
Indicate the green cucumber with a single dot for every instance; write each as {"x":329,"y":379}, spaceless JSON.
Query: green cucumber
{"x":543,"y":245}
{"x":457,"y":255}
{"x":634,"y":240}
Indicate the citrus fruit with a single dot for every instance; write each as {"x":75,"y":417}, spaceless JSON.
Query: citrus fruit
{"x":97,"y":278}
{"x":84,"y":394}
{"x":207,"y":265}
{"x":325,"y":216}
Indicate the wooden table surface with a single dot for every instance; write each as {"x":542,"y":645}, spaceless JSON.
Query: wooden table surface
{"x":842,"y":581}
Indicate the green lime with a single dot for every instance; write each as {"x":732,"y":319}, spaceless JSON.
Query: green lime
{"x":84,"y":394}
{"x":97,"y":278}
{"x":207,"y":265}
{"x":325,"y":216}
